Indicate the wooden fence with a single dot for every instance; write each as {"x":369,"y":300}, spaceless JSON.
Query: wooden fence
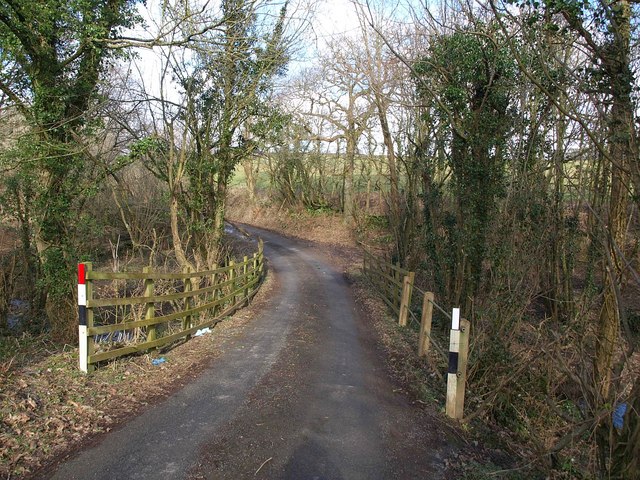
{"x":394,"y":283}
{"x":396,"y":287}
{"x":118,"y":318}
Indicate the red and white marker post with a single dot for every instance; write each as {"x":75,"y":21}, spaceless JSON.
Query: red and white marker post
{"x":82,"y":317}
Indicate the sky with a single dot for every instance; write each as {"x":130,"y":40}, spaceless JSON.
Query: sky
{"x":329,"y":18}
{"x":335,"y":17}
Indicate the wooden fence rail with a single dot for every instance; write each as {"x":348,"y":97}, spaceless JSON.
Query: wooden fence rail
{"x":389,"y":278}
{"x":396,"y":286}
{"x":125,"y":323}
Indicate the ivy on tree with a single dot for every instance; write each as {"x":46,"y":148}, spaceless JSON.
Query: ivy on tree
{"x":473,"y":77}
{"x":53,"y":54}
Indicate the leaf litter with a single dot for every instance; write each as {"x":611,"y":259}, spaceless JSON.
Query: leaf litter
{"x":49,"y":409}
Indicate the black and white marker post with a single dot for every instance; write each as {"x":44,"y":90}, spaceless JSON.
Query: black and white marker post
{"x":82,"y":318}
{"x":457,"y":374}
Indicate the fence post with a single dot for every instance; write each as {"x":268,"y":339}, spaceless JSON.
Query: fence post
{"x":424,"y":342}
{"x":405,"y":299}
{"x":150,"y":311}
{"x":261,"y":256}
{"x":245,"y":277}
{"x":232,"y":277}
{"x":254,"y":272}
{"x":254,"y":269}
{"x":187,"y":320}
{"x":216,"y":291}
{"x":458,"y":356}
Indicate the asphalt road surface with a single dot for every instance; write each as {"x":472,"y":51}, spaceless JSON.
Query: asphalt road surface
{"x":302,"y":394}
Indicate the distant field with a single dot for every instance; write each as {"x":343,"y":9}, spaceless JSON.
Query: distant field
{"x":370,"y":170}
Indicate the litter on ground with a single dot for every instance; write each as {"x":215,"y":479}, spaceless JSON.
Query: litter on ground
{"x":202,"y":332}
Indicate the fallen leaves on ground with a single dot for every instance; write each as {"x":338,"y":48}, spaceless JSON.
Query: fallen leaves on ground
{"x":46,"y":406}
{"x":49,"y":408}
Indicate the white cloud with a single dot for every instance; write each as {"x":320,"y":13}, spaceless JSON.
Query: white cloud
{"x":336,"y":17}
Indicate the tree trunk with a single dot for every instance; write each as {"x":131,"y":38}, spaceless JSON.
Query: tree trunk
{"x":250,"y":178}
{"x":396,"y":217}
{"x":218,"y":225}
{"x":349,"y":166}
{"x":178,"y":247}
{"x":622,"y":156}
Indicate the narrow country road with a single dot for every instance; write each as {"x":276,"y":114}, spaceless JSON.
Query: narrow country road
{"x":301,"y":394}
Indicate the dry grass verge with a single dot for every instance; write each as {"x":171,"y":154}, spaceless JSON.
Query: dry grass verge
{"x":323,"y":228}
